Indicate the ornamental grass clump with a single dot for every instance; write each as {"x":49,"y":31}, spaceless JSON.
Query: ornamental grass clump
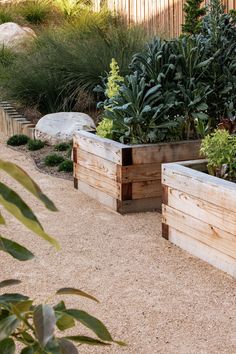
{"x":53,"y":160}
{"x":34,"y":144}
{"x":220,"y":150}
{"x":18,"y":140}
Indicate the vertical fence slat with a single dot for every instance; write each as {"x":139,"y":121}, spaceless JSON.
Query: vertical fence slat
{"x":163,"y":17}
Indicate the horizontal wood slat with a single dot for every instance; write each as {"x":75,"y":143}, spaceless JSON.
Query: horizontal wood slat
{"x":200,"y":185}
{"x":205,"y":232}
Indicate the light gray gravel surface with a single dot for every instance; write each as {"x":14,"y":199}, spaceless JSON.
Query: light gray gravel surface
{"x":153,"y":295}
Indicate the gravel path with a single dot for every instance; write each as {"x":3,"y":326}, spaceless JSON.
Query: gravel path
{"x":154,"y":296}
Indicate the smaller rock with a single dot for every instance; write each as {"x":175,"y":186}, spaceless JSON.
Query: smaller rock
{"x":15,"y":37}
{"x":58,"y":127}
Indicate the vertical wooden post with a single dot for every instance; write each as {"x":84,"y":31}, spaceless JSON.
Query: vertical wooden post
{"x":165,"y":227}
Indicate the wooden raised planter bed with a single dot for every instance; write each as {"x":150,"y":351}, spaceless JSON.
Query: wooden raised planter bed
{"x":199,"y":213}
{"x":125,"y":178}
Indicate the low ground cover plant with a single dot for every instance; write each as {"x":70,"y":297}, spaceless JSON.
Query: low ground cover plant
{"x":220,"y":150}
{"x":17,"y":140}
{"x":62,"y":147}
{"x":53,"y":160}
{"x":38,"y":328}
{"x":66,"y":166}
{"x":34,"y":144}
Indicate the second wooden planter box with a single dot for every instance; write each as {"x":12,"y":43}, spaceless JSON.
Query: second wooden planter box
{"x":199,"y":213}
{"x":125,"y":178}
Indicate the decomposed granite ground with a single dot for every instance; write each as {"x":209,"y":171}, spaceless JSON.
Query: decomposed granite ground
{"x":153,"y":295}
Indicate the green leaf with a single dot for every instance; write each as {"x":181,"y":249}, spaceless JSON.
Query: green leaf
{"x":26,"y":181}
{"x":28,"y":350}
{"x":44,"y":321}
{"x":12,"y":298}
{"x":9,"y":282}
{"x":7,"y":326}
{"x":7,"y":346}
{"x":15,"y":249}
{"x":92,"y":323}
{"x":13,"y":203}
{"x":2,"y":220}
{"x":72,"y":291}
{"x":87,"y":340}
{"x":22,"y":306}
{"x":64,"y":321}
{"x":67,"y":347}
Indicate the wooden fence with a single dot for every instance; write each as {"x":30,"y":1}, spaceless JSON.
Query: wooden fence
{"x":164,"y":17}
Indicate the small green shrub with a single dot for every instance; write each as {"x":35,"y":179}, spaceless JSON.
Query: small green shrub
{"x":193,"y":16}
{"x":104,"y":128}
{"x":66,"y":166}
{"x":62,"y":147}
{"x":17,"y":140}
{"x":35,"y":12}
{"x":53,"y":160}
{"x":220,"y":150}
{"x":34,"y":145}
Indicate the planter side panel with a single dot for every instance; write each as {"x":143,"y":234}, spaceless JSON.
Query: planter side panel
{"x":114,"y":170}
{"x":199,"y":217}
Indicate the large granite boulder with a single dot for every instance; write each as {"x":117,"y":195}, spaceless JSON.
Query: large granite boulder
{"x":15,"y":37}
{"x":58,"y":127}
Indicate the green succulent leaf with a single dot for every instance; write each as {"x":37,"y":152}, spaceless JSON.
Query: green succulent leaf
{"x":2,"y":220}
{"x":87,"y":340}
{"x":64,"y":321}
{"x":92,"y":323}
{"x":7,"y":346}
{"x":44,"y":321}
{"x":67,"y":347}
{"x":12,"y":298}
{"x":73,"y":291}
{"x":13,"y":203}
{"x":9,"y":282}
{"x":15,"y":249}
{"x":7,"y":326}
{"x":26,"y":181}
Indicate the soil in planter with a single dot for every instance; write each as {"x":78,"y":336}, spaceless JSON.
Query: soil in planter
{"x":39,"y":156}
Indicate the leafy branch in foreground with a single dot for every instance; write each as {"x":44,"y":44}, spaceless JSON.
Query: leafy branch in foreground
{"x":38,"y":328}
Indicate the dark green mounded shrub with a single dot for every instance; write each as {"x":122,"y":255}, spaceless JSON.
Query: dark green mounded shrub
{"x":53,"y":160}
{"x":62,"y":147}
{"x":66,"y":166}
{"x":17,"y":140}
{"x":194,"y":11}
{"x":34,"y":145}
{"x":62,"y":69}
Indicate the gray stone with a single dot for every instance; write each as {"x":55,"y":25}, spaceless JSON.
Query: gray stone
{"x":58,"y":127}
{"x":15,"y":37}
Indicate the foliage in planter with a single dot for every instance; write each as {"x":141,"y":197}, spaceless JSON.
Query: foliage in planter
{"x":194,"y":11}
{"x":17,"y":140}
{"x":34,"y":145}
{"x":220,"y":150}
{"x":61,"y":71}
{"x":190,"y":82}
{"x":39,"y":329}
{"x":165,"y":98}
{"x":53,"y":160}
{"x":66,"y":166}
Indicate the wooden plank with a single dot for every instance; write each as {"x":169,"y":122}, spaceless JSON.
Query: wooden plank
{"x":200,"y":185}
{"x":202,"y":210}
{"x":166,"y":152}
{"x":199,"y":230}
{"x":98,"y":195}
{"x":100,"y":182}
{"x":105,"y":148}
{"x":203,"y":251}
{"x":98,"y":164}
{"x":139,"y":173}
{"x":146,"y":189}
{"x":139,"y":205}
